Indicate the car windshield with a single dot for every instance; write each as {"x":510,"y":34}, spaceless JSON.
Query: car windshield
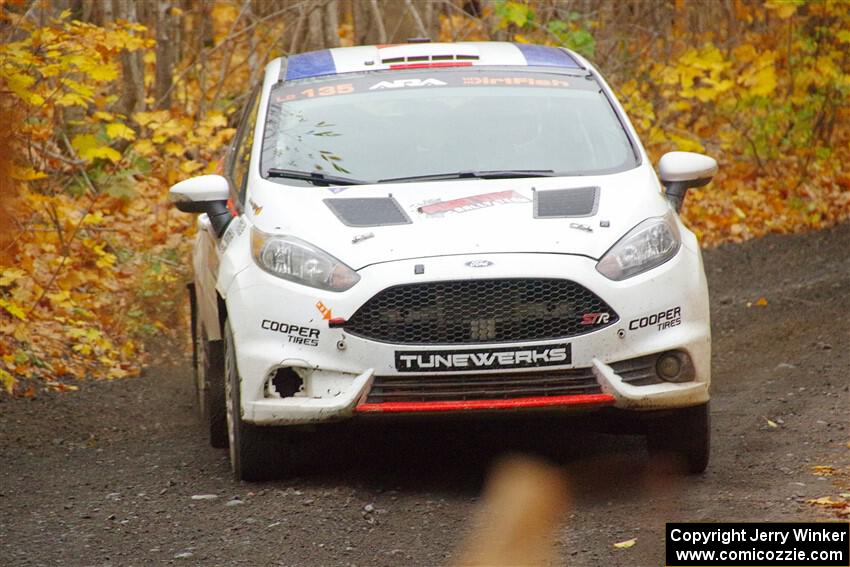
{"x":398,"y":125}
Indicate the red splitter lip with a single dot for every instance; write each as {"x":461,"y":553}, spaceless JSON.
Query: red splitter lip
{"x":468,"y":405}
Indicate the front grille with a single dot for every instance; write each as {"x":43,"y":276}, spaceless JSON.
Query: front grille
{"x":482,"y":386}
{"x":481,"y":311}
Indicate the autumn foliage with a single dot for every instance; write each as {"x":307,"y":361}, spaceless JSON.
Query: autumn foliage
{"x":92,"y":259}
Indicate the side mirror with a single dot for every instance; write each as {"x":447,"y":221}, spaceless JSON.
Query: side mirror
{"x":204,"y":194}
{"x":680,"y":171}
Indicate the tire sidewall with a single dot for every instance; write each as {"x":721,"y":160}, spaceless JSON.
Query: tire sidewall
{"x":202,"y":362}
{"x":232,"y":400}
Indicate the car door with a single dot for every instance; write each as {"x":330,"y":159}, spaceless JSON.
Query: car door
{"x":207,"y":250}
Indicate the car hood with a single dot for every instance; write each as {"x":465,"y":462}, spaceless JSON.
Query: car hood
{"x":466,"y":216}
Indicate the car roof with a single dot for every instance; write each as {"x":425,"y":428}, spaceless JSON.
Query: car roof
{"x":424,"y":55}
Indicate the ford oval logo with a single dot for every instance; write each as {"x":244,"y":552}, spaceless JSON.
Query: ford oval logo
{"x":479,"y":263}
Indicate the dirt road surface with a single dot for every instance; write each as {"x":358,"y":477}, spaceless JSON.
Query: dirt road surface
{"x":119,"y":473}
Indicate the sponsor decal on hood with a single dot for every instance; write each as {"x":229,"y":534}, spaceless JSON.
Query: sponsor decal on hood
{"x":475,"y":202}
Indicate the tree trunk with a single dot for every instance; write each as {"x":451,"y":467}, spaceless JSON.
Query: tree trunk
{"x":316,"y":28}
{"x":421,"y":30}
{"x":133,"y":88}
{"x":332,"y":24}
{"x":106,"y":12}
{"x":379,"y":21}
{"x":164,"y":55}
{"x":298,"y":34}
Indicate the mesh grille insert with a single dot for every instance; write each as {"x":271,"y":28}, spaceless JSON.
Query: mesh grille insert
{"x":580,"y":381}
{"x":560,"y":203}
{"x":368,"y":211}
{"x":480,"y":311}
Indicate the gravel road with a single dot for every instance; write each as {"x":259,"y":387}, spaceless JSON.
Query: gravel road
{"x":119,"y":473}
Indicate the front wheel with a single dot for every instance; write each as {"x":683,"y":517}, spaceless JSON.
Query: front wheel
{"x":685,"y":435}
{"x":255,"y":452}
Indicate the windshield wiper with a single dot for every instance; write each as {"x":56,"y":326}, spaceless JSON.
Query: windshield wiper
{"x":315,"y":177}
{"x":491,"y":174}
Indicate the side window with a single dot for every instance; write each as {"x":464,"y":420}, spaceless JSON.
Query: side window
{"x":240,"y":160}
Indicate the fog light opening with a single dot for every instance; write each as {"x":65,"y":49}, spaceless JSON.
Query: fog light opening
{"x":286,"y":382}
{"x":675,"y":366}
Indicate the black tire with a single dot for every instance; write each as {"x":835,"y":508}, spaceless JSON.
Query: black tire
{"x":209,"y":380}
{"x":685,"y":435}
{"x":255,"y":452}
{"x":214,"y":400}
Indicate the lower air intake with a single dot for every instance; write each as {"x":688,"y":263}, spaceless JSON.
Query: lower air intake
{"x":483,"y":386}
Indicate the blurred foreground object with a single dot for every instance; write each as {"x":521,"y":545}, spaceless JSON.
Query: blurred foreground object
{"x":524,"y":502}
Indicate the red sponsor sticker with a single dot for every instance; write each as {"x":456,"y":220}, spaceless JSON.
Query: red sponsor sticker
{"x":473,"y":203}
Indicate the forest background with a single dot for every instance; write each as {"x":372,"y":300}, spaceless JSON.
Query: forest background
{"x":105,"y":103}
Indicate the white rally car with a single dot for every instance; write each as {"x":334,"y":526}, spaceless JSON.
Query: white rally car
{"x":435,"y":228}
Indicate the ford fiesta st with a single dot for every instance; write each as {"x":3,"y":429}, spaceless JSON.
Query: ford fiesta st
{"x":437,"y":228}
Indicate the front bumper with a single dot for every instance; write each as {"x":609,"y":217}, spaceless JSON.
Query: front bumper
{"x":278,"y":324}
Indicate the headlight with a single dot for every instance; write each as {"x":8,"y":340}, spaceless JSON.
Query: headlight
{"x":292,"y":259}
{"x":646,"y":246}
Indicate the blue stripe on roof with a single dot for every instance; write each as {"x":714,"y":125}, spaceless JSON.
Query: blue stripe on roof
{"x":312,"y":64}
{"x":543,"y":56}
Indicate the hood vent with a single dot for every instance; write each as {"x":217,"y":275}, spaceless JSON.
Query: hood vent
{"x":561,"y":203}
{"x":368,"y":211}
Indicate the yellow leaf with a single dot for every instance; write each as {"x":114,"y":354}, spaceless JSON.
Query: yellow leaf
{"x":89,"y":149}
{"x":83,"y":142}
{"x":20,"y":84}
{"x":686,"y":144}
{"x":783,"y":8}
{"x":221,"y":137}
{"x":105,"y":116}
{"x":144,"y":148}
{"x":223,"y":15}
{"x":190,"y":166}
{"x":10,"y":275}
{"x":82,"y":348}
{"x":770,"y":423}
{"x":823,"y":470}
{"x":103,"y":72}
{"x":119,"y":130}
{"x":26,"y":173}
{"x":62,"y":387}
{"x":106,"y":260}
{"x":93,"y":218}
{"x":626,"y":544}
{"x":145,"y":118}
{"x":7,"y":381}
{"x":174,"y":148}
{"x":761,"y":302}
{"x":13,"y":309}
{"x":117,"y":372}
{"x":215,"y":120}
{"x":107,"y":153}
{"x":72,"y":99}
{"x":61,"y":299}
{"x":827,"y":502}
